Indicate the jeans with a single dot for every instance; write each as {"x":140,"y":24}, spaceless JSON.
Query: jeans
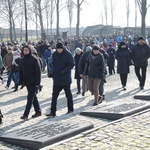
{"x":16,"y":77}
{"x":10,"y":77}
{"x":56,"y":91}
{"x":43,"y":62}
{"x":31,"y":99}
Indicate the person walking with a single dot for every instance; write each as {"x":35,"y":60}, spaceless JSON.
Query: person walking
{"x":111,"y":59}
{"x":30,"y":76}
{"x":123,"y":57}
{"x":140,"y":56}
{"x":63,"y":63}
{"x":78,"y":53}
{"x":95,"y":70}
{"x":15,"y":68}
{"x":81,"y":67}
{"x":7,"y":62}
{"x":1,"y":66}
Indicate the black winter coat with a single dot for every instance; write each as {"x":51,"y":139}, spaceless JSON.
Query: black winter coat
{"x":123,"y":57}
{"x":30,"y":71}
{"x":77,"y":59}
{"x":82,"y":62}
{"x":111,"y":58}
{"x":140,"y":55}
{"x":95,"y":67}
{"x":62,"y":65}
{"x":16,"y":67}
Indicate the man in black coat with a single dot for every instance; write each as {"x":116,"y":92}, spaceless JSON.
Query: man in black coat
{"x":30,"y":76}
{"x":140,"y":56}
{"x":63,"y":62}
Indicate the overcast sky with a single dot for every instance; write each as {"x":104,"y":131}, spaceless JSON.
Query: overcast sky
{"x":91,"y":14}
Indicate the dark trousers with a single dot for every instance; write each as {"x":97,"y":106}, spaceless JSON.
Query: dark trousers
{"x":78,"y":85}
{"x":111,"y":69}
{"x":56,"y":91}
{"x":141,"y":76}
{"x":101,"y":88}
{"x":123,"y":78}
{"x":31,"y":99}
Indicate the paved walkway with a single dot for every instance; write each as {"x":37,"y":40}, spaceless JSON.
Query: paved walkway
{"x":131,"y":133}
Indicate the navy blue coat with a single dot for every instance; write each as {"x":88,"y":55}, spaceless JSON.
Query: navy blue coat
{"x":123,"y":57}
{"x":62,"y":65}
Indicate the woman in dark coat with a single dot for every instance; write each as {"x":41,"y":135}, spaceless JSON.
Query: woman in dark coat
{"x":95,"y":70}
{"x":123,"y":56}
{"x":78,"y":53}
{"x":111,"y":59}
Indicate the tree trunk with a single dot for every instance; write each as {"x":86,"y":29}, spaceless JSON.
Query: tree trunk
{"x":78,"y":19}
{"x":143,"y":15}
{"x":43,"y":35}
{"x":10,"y":21}
{"x":57,"y":14}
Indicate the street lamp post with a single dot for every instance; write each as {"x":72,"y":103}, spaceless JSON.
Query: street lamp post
{"x":26,"y":23}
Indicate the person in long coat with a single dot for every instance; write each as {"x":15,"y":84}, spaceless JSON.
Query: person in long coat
{"x":30,"y":76}
{"x":95,"y":69}
{"x":111,"y":59}
{"x":78,"y":53}
{"x":123,"y":57}
{"x":63,"y":63}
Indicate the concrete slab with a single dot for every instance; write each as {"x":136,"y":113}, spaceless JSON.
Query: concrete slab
{"x":143,"y":96}
{"x":44,"y":134}
{"x":114,"y":111}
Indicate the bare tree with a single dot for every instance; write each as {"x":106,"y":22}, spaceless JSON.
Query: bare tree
{"x":127,"y":11}
{"x":70,"y":12}
{"x":105,"y":11}
{"x":78,"y":5}
{"x":112,"y":8}
{"x":143,"y":10}
{"x":135,"y":13}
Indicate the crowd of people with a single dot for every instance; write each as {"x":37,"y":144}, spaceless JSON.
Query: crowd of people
{"x":92,"y":59}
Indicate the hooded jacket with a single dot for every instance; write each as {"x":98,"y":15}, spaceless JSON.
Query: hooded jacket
{"x":30,"y":71}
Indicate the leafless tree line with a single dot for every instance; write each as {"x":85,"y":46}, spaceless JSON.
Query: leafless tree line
{"x":42,"y":12}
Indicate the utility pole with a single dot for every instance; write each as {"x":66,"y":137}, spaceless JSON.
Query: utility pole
{"x":26,"y":21}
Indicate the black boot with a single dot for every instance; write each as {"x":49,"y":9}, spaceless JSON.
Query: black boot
{"x":16,"y":88}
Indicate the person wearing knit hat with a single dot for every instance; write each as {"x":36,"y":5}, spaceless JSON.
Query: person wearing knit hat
{"x":95,"y":69}
{"x":78,"y":54}
{"x":141,"y":38}
{"x":123,"y":57}
{"x":140,"y":56}
{"x":88,"y":49}
{"x":62,"y":64}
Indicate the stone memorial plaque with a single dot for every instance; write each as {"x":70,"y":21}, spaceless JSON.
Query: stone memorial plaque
{"x":44,"y":134}
{"x":115,"y":111}
{"x":143,"y":96}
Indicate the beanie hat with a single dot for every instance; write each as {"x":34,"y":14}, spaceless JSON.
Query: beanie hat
{"x":122,"y":43}
{"x":59,"y":45}
{"x":141,"y":38}
{"x":88,"y":48}
{"x":95,"y":48}
{"x":78,"y":50}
